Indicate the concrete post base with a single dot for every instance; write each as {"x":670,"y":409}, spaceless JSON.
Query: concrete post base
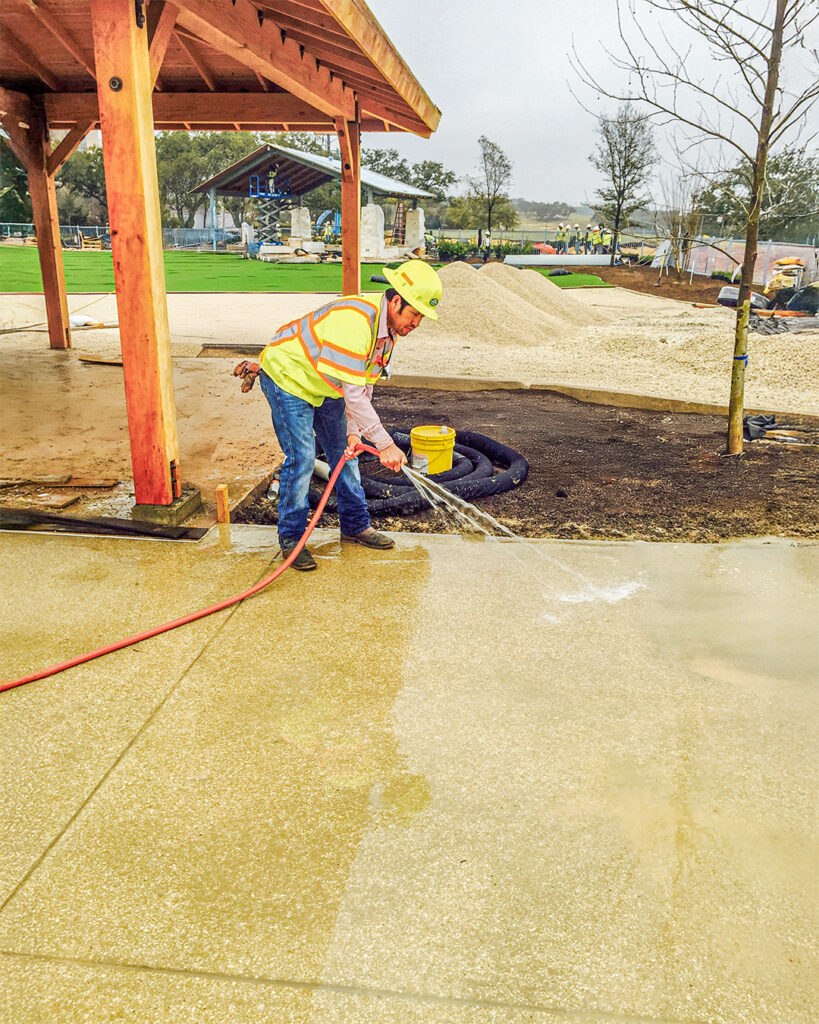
{"x":173,"y":514}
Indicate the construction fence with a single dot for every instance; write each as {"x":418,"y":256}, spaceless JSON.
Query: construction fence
{"x":78,"y":236}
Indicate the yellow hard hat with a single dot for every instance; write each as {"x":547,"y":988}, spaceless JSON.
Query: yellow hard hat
{"x":418,"y":284}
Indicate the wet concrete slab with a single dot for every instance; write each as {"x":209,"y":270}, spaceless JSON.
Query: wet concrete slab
{"x":458,"y":781}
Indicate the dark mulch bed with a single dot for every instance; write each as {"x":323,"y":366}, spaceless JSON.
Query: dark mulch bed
{"x":644,"y":279}
{"x":603,"y":472}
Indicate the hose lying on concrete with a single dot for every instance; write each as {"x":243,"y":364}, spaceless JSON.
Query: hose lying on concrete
{"x":118,"y":645}
{"x":472,"y":475}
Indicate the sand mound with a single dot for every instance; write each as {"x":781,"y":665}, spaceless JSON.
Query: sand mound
{"x":541,"y":292}
{"x":477,"y":308}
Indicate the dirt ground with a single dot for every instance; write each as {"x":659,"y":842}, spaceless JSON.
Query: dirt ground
{"x":602,"y":472}
{"x":651,"y":282}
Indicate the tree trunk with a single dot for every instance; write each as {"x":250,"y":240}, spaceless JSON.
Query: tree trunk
{"x":615,"y":235}
{"x":736,"y":401}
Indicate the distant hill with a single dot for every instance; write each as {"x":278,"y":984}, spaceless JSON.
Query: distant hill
{"x":530,"y":210}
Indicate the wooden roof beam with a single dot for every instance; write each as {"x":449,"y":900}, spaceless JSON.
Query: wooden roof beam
{"x":161,"y":18}
{"x":236,"y":31}
{"x":312,"y":24}
{"x":46,"y":17}
{"x":358,"y":22}
{"x":401,"y":121}
{"x":27,"y":57}
{"x":342,"y":60}
{"x":66,"y":147}
{"x":193,"y":107}
{"x":16,"y":106}
{"x":198,"y":60}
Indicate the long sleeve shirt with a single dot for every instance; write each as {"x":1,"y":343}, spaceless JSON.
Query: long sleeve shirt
{"x":362,"y":419}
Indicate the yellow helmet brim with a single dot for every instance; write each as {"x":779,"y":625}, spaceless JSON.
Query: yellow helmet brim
{"x":408,"y":294}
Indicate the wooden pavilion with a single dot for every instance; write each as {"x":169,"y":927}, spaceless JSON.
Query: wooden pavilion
{"x":132,"y":66}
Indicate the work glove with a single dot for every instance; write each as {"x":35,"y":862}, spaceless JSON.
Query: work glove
{"x":248,"y":372}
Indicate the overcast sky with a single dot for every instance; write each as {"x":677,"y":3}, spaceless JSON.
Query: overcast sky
{"x":501,"y":68}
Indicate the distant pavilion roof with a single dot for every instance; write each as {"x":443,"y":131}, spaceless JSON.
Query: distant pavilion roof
{"x":304,"y":171}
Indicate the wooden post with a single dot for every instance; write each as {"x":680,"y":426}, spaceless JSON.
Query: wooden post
{"x":349,"y":138}
{"x":47,"y":225}
{"x":126,"y":120}
{"x":222,"y":504}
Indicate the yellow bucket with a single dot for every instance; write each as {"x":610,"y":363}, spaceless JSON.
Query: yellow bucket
{"x":432,"y":449}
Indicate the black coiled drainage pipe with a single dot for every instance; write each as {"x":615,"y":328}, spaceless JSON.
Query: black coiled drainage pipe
{"x":472,"y":475}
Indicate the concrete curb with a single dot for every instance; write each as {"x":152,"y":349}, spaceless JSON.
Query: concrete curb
{"x":592,"y":396}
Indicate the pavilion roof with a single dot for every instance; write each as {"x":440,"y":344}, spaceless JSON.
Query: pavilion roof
{"x":303,"y":171}
{"x":249,"y":64}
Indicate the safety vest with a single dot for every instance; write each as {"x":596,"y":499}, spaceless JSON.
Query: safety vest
{"x":560,"y":235}
{"x":334,"y":343}
{"x":607,"y":237}
{"x":595,"y":236}
{"x":589,"y":235}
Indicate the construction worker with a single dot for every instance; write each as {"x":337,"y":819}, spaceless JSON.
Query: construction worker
{"x":560,"y":239}
{"x":317,"y":375}
{"x":606,"y":237}
{"x":487,"y":245}
{"x":328,"y":231}
{"x":596,"y":239}
{"x":576,"y":239}
{"x":587,"y":240}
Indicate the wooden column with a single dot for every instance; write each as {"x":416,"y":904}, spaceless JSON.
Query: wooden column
{"x":32,"y":147}
{"x":126,"y":118}
{"x":349,"y":139}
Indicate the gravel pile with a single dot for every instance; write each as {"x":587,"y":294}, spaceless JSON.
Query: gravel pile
{"x":542,"y":293}
{"x":479,"y":309}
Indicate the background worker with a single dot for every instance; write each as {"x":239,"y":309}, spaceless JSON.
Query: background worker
{"x":317,"y":375}
{"x":606,"y":238}
{"x":487,"y":245}
{"x":587,"y":240}
{"x":596,"y":239}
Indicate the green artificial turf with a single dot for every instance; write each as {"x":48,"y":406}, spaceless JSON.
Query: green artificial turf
{"x":184,"y":272}
{"x":574,"y":280}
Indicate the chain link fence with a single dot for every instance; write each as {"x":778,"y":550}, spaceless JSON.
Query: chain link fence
{"x":72,"y":236}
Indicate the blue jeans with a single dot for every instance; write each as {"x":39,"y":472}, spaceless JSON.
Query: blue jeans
{"x":295,"y":422}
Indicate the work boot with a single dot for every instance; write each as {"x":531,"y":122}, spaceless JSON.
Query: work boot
{"x":303,"y":561}
{"x":371,"y":538}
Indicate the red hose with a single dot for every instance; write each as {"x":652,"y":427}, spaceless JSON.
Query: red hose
{"x":80,"y":659}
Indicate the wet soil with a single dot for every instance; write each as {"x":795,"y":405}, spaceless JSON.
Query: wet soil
{"x":644,"y":279}
{"x":605,"y":473}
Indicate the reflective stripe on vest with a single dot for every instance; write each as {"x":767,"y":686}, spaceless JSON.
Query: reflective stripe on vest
{"x":330,"y":359}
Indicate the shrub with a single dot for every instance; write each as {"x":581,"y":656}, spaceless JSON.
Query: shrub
{"x":453,"y":250}
{"x":723,"y":275}
{"x":514,"y":249}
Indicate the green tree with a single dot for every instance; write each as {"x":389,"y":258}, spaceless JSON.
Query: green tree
{"x":488,"y":188}
{"x":790,"y":197}
{"x":15,"y":204}
{"x":624,"y":156}
{"x":463,"y":212}
{"x":185,"y":159}
{"x":388,"y":163}
{"x":84,"y":175}
{"x":432,"y":176}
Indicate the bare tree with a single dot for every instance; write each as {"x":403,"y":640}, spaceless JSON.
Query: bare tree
{"x":678,"y":221}
{"x":624,"y":157}
{"x":743,"y":103}
{"x":489,"y":187}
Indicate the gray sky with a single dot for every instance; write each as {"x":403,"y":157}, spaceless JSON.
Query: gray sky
{"x":501,"y":68}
